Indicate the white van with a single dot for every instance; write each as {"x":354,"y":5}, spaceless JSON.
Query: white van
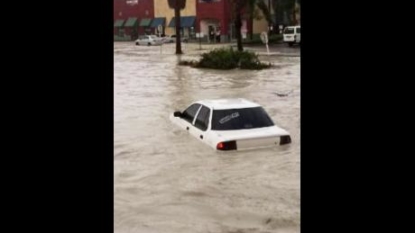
{"x":292,"y":35}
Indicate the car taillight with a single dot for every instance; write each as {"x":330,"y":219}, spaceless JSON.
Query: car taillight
{"x":285,"y":140}
{"x":231,"y":145}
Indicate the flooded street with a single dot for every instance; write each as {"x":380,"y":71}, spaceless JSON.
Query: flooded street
{"x":166,"y":181}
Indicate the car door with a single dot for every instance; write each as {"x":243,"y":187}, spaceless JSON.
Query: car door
{"x":201,"y":124}
{"x":148,"y":40}
{"x":298,"y":34}
{"x":142,"y":40}
{"x":188,"y":116}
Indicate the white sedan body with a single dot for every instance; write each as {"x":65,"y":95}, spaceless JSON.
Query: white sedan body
{"x":168,"y":39}
{"x":148,"y":40}
{"x":231,"y":124}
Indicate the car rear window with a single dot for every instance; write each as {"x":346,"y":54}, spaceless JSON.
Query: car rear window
{"x":245,"y":118}
{"x":289,"y":31}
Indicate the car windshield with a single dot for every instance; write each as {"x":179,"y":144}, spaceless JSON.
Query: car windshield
{"x":289,"y":31}
{"x":245,"y":118}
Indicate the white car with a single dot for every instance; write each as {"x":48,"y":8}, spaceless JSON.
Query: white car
{"x":148,"y":40}
{"x":230,"y":124}
{"x":184,"y":39}
{"x":168,"y":39}
{"x":292,"y":35}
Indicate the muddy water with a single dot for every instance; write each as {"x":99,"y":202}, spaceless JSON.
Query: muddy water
{"x":165,"y":181}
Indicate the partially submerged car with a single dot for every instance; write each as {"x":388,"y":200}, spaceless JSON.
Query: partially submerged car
{"x":230,"y":124}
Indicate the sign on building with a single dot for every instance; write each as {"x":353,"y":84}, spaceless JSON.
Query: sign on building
{"x":132,"y":2}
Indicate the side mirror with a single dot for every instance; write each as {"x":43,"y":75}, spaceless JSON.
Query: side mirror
{"x":177,"y":114}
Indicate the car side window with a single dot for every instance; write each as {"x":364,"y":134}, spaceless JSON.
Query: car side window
{"x":202,"y":119}
{"x":298,"y":30}
{"x":190,"y":112}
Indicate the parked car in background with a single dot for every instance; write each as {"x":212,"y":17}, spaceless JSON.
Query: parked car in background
{"x":168,"y":39}
{"x":292,"y":35}
{"x":148,"y":40}
{"x":182,"y":38}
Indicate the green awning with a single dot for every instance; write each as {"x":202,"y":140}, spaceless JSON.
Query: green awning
{"x":145,"y":22}
{"x":118,"y":23}
{"x":185,"y":21}
{"x":158,"y":21}
{"x":131,"y":22}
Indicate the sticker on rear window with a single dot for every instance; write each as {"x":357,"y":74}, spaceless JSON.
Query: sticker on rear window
{"x":229,"y":117}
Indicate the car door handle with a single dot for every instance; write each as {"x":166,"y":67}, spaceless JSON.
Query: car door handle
{"x":201,"y":136}
{"x":187,"y":128}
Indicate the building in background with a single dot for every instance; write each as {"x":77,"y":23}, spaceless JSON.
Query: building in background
{"x":187,"y":19}
{"x":213,"y":18}
{"x":132,"y":18}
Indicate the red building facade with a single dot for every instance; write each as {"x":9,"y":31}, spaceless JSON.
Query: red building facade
{"x":214,"y":18}
{"x":132,"y":17}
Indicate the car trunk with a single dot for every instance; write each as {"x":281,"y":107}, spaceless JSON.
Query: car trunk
{"x":256,"y":138}
{"x":243,"y":144}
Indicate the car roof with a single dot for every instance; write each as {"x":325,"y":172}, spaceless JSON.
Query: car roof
{"x":221,"y":104}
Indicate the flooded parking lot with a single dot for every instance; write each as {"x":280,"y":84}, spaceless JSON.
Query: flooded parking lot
{"x":166,"y":181}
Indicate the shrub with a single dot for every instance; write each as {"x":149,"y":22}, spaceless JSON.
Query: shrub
{"x":188,"y":63}
{"x":219,"y":59}
{"x":226,"y":59}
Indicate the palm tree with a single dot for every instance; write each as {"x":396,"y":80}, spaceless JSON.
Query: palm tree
{"x":177,"y":5}
{"x":251,"y":15}
{"x":237,"y":6}
{"x":249,"y":5}
{"x":284,"y":6}
{"x":266,"y":10}
{"x":297,"y":11}
{"x":254,"y":7}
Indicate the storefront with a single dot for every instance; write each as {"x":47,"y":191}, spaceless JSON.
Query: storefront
{"x":187,"y":25}
{"x":132,"y":13}
{"x":131,"y":28}
{"x":145,"y":26}
{"x":214,"y":20}
{"x":158,"y":23}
